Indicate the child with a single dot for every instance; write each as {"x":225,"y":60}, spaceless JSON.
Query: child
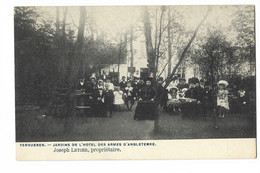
{"x":129,"y":96}
{"x":173,"y":99}
{"x":108,"y":97}
{"x":222,"y":98}
{"x":118,"y":97}
{"x":242,"y":100}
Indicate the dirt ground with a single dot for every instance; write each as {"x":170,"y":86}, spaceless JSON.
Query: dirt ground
{"x":33,"y":126}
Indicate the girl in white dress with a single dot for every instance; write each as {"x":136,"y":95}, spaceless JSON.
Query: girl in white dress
{"x":173,"y":100}
{"x":118,"y":97}
{"x":222,"y":99}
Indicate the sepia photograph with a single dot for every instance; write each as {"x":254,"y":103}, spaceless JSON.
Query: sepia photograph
{"x":113,"y":73}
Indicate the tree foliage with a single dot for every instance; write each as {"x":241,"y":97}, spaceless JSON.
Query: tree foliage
{"x":244,"y":25}
{"x":215,"y":57}
{"x":44,"y":54}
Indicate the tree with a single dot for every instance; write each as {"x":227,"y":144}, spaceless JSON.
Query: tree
{"x":244,"y":25}
{"x":169,"y":42}
{"x":216,"y":57}
{"x":186,"y":48}
{"x":35,"y":65}
{"x":76,"y":69}
{"x":150,"y":51}
{"x":153,"y":54}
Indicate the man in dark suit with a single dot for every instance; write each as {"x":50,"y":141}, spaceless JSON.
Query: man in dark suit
{"x":108,"y":96}
{"x":192,"y":109}
{"x":182,"y":84}
{"x":123,"y":83}
{"x":103,"y":76}
{"x":136,"y":85}
{"x":208,"y":102}
{"x":161,"y":93}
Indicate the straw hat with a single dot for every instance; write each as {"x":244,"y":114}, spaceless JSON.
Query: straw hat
{"x":223,"y":82}
{"x":174,"y":88}
{"x":184,"y":90}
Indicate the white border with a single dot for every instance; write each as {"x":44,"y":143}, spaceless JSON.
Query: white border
{"x":7,"y":133}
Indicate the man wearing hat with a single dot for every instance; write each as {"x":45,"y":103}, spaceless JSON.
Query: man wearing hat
{"x":161,"y":93}
{"x":111,"y":85}
{"x":182,"y":84}
{"x":208,"y":102}
{"x":103,"y":76}
{"x":192,"y":108}
{"x":123,"y":83}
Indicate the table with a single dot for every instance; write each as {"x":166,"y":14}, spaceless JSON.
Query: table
{"x":57,"y":107}
{"x":83,"y":101}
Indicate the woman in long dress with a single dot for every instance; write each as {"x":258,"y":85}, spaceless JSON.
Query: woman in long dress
{"x":145,"y":109}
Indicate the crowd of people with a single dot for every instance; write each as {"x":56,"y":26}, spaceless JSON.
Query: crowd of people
{"x":107,"y":96}
{"x":193,"y":99}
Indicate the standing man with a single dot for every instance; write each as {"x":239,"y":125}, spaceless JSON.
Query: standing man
{"x":202,"y":83}
{"x":104,"y":76}
{"x":191,"y":109}
{"x":110,"y":84}
{"x":136,"y":86}
{"x":161,"y":94}
{"x":122,"y":84}
{"x":208,"y":103}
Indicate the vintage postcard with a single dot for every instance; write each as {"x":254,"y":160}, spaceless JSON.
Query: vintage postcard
{"x":135,"y":82}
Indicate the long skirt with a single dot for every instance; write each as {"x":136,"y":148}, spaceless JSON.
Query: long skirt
{"x":99,"y":109}
{"x":145,"y":110}
{"x":190,"y":110}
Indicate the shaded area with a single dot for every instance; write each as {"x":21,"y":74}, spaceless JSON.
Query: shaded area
{"x":32,"y":126}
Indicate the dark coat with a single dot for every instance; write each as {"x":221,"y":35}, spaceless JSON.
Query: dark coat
{"x":136,"y":87}
{"x":129,"y":93}
{"x":209,"y":100}
{"x":147,"y":93}
{"x":122,"y":85}
{"x":109,"y":97}
{"x":162,"y":95}
{"x":94,"y":91}
{"x":181,"y":86}
{"x":146,"y":109}
{"x":195,"y":93}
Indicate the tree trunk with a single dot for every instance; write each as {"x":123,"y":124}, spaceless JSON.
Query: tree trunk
{"x":119,"y":54}
{"x":169,"y":78}
{"x":157,"y":47}
{"x":148,"y":41}
{"x":169,"y":42}
{"x":64,"y":23}
{"x":132,"y":51}
{"x":80,"y":40}
{"x":57,"y":21}
{"x":74,"y":73}
{"x":63,"y":46}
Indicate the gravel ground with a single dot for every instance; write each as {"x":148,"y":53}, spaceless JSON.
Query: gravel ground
{"x":32,"y":126}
